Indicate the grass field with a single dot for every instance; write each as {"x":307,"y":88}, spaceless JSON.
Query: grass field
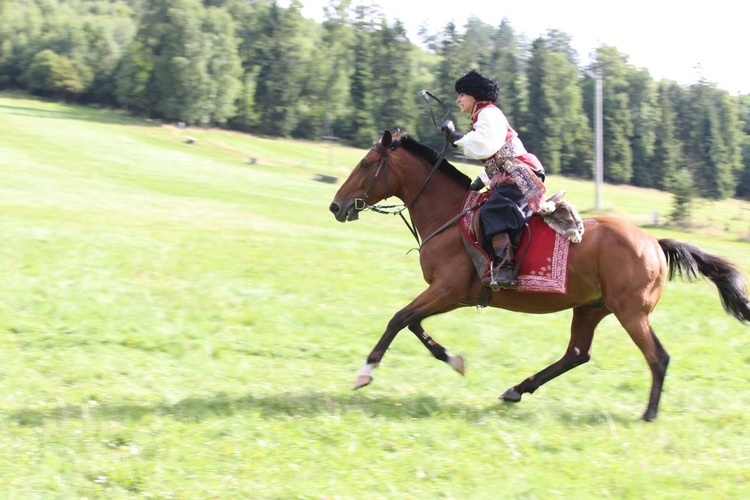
{"x":186,"y":320}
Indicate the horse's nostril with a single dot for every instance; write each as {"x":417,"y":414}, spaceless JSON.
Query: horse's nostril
{"x":334,"y":208}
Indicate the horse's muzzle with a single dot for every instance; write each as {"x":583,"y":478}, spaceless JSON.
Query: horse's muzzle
{"x":348,"y":213}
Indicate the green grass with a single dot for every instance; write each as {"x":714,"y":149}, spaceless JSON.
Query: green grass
{"x":178,"y":322}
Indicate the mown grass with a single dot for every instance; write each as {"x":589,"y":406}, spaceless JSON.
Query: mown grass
{"x":179,"y":321}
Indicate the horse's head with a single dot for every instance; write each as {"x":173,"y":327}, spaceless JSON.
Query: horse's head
{"x":367,"y":184}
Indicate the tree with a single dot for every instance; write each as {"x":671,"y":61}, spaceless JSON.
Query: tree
{"x":21,"y":30}
{"x":618,"y":127}
{"x":282,"y":71}
{"x":52,"y":75}
{"x":315,"y":98}
{"x":743,"y":178}
{"x":539,"y":104}
{"x":450,"y":67}
{"x":713,"y":149}
{"x":362,"y":125}
{"x":644,"y":116}
{"x":180,"y":66}
{"x":665,"y":160}
{"x":108,"y":31}
{"x":190,"y":56}
{"x":505,"y":63}
{"x":682,"y":188}
{"x":134,"y":89}
{"x":223,"y":66}
{"x":65,"y":36}
{"x":394,"y":93}
{"x":477,"y":44}
{"x":248,"y":17}
{"x":338,"y":44}
{"x":558,"y":130}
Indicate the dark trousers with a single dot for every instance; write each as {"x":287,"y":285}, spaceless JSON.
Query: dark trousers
{"x":506,"y":211}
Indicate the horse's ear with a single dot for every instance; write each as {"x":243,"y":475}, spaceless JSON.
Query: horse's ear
{"x":387,"y":139}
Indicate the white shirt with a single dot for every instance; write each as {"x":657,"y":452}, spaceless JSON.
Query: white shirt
{"x":488,"y":135}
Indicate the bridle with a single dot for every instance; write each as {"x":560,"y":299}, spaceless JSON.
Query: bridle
{"x":360,"y":204}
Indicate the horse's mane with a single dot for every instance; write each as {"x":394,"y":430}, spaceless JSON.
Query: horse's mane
{"x":431,"y":156}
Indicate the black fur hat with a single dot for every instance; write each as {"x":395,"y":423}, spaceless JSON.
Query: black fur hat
{"x":478,"y":86}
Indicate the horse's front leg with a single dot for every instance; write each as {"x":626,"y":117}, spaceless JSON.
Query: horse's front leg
{"x":431,"y":301}
{"x":441,"y":353}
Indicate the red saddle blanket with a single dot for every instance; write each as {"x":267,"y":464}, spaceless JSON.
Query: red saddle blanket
{"x":544,"y":268}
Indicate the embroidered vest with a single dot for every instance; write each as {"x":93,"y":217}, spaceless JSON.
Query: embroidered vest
{"x":512,"y":164}
{"x":509,"y":151}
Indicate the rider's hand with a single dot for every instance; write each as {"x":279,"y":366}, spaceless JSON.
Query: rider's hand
{"x":480,"y":182}
{"x":477,"y":184}
{"x":450,"y":132}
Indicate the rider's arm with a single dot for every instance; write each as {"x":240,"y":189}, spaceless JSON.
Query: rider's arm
{"x":488,"y":135}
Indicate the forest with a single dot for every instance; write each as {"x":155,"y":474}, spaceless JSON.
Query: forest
{"x":258,"y":68}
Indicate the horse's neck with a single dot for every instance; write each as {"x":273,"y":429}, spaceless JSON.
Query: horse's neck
{"x":439,"y":202}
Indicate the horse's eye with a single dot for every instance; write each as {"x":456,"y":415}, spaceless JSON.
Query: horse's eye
{"x":364,"y":165}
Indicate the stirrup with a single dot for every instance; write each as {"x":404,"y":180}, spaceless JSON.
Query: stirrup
{"x":503,"y":275}
{"x":508,"y":278}
{"x":496,"y":284}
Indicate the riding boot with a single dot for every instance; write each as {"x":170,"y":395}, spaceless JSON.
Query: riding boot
{"x":503,"y":273}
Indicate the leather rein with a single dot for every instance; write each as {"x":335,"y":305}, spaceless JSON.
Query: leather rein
{"x":360,"y":204}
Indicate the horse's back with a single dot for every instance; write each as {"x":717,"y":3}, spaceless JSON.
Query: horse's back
{"x":606,"y":238}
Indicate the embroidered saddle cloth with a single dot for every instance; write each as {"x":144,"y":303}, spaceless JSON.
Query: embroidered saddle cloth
{"x":544,"y":252}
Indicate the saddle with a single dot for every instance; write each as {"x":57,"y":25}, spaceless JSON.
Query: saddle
{"x":563,"y":218}
{"x":542,"y":246}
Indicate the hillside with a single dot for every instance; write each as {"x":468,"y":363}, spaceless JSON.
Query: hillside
{"x":185,"y":320}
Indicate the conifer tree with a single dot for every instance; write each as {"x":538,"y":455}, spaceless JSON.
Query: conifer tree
{"x":664,"y":163}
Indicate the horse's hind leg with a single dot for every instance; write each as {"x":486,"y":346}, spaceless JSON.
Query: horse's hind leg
{"x":585,"y":320}
{"x":639,"y":329}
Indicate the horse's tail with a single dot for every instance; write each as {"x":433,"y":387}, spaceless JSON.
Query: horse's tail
{"x":687,"y":262}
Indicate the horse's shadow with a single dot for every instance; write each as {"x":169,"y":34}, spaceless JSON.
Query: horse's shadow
{"x":306,"y":405}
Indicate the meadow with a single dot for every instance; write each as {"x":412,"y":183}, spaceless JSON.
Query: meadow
{"x":186,"y":320}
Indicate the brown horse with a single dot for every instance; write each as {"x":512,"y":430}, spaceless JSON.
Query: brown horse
{"x":616,"y":269}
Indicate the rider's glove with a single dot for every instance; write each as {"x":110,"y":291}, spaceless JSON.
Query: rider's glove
{"x":477,"y":185}
{"x":450,"y":132}
{"x":481,"y":181}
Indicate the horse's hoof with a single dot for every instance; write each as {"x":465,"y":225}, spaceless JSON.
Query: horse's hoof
{"x":362,"y":380}
{"x":511,"y":395}
{"x":457,"y":362}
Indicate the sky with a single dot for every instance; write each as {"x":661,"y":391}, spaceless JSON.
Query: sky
{"x":678,"y":40}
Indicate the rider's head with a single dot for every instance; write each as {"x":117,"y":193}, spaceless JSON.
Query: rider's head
{"x":478,"y":86}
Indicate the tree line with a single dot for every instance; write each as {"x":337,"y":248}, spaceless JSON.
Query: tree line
{"x":253,"y":66}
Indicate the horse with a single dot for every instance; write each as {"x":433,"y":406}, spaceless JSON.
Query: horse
{"x":616,"y":268}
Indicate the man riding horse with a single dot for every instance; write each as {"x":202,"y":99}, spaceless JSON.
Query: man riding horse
{"x":515,"y":176}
